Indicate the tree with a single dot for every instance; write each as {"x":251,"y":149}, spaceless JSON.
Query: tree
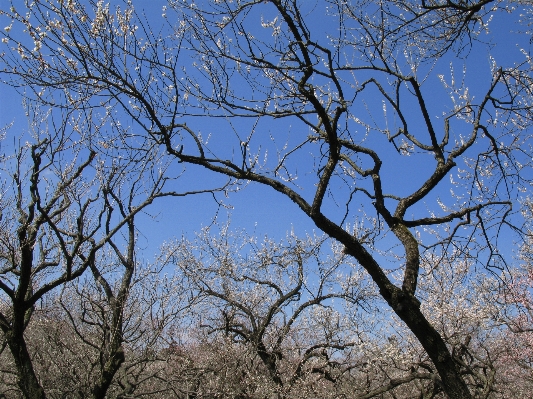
{"x":511,"y":298}
{"x":249,"y":341}
{"x":121,"y":320}
{"x":62,"y":205}
{"x":257,"y":294}
{"x":81,"y":348}
{"x":348,"y":90}
{"x":47,"y":237}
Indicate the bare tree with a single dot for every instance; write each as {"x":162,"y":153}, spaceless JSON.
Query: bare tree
{"x":332,"y":337}
{"x":49,"y":236}
{"x":61,"y":205}
{"x":347,"y":99}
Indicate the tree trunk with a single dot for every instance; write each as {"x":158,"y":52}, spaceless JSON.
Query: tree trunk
{"x":407,"y":307}
{"x":106,"y":377}
{"x":27,"y":380}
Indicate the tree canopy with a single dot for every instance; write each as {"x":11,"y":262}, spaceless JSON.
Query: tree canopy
{"x":399,"y":128}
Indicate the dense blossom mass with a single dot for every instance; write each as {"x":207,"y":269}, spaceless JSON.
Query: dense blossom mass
{"x":398,"y":129}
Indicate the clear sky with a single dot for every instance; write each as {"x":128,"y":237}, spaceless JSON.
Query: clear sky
{"x":260,"y":209}
{"x":255,"y":208}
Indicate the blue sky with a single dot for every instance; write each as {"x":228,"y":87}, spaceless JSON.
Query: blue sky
{"x":262,"y":210}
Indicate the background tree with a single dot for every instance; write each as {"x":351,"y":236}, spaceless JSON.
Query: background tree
{"x":279,"y":300}
{"x":75,"y":337}
{"x":49,"y":234}
{"x":511,"y":308}
{"x":347,"y":99}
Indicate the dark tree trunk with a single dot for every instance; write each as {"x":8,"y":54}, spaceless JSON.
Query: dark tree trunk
{"x":407,"y":307}
{"x":106,"y":377}
{"x":27,"y":379}
{"x":270,"y":361}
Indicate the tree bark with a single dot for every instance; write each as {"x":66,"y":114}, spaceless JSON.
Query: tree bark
{"x":407,"y":307}
{"x":27,"y":379}
{"x":106,"y":377}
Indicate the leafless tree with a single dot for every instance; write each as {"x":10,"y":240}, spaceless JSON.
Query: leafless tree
{"x":78,"y":344}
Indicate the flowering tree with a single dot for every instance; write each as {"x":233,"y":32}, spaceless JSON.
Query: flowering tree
{"x":121,"y":320}
{"x":62,"y":204}
{"x":511,"y":298}
{"x":356,"y":94}
{"x":280,"y":300}
{"x":83,"y":346}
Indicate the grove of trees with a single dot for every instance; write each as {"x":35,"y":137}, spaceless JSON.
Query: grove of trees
{"x":400,"y":129}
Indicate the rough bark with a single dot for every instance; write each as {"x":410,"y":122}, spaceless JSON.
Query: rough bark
{"x":27,"y":379}
{"x":106,"y":377}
